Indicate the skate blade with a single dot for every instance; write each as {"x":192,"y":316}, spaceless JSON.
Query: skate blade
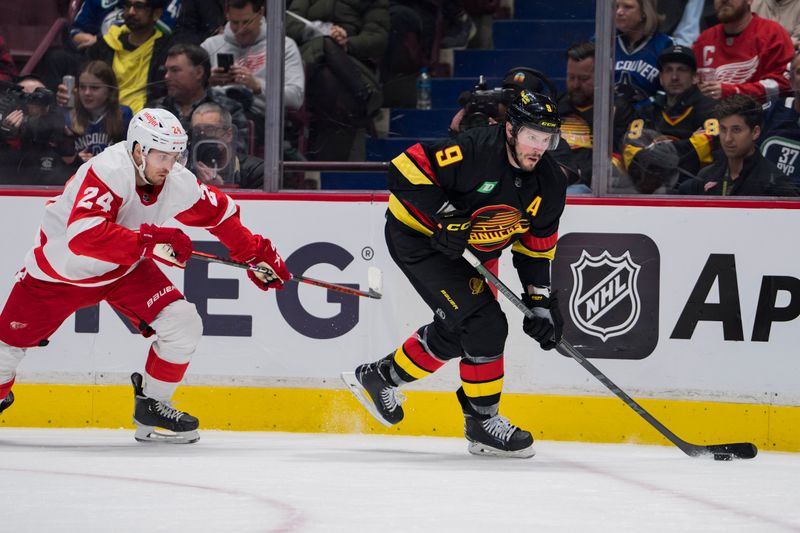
{"x":363,"y":398}
{"x":164,"y":436}
{"x":477,"y":448}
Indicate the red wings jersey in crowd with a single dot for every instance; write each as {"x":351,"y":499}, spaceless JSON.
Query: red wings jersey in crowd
{"x":752,"y":62}
{"x":89,"y":234}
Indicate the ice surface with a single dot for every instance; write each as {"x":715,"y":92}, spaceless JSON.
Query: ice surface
{"x":102,"y":480}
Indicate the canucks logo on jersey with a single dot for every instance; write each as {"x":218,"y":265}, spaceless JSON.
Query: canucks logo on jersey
{"x":493,"y":227}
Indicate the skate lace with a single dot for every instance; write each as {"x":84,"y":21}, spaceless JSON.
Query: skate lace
{"x":392,"y":398}
{"x":167,"y":411}
{"x":499,"y":427}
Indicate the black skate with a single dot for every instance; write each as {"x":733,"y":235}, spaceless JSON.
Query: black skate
{"x":151,"y":415}
{"x":375,"y":393}
{"x":7,"y":401}
{"x":494,"y":435}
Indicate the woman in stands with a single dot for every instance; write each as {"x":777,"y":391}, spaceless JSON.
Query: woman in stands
{"x":98,"y":119}
{"x":638,"y":46}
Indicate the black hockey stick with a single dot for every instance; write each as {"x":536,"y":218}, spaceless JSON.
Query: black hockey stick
{"x":374,"y":279}
{"x":740,"y":450}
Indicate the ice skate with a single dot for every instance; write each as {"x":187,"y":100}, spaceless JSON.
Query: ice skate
{"x":497,"y":436}
{"x":158,"y":421}
{"x":375,"y":393}
{"x":494,"y":435}
{"x":7,"y":401}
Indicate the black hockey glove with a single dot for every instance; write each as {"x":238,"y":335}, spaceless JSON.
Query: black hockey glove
{"x":452,"y":235}
{"x":546,"y":325}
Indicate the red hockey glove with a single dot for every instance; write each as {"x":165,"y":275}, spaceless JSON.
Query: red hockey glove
{"x":170,"y":246}
{"x":266,"y":255}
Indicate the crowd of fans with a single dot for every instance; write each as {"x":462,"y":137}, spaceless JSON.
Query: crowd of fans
{"x":706,"y":91}
{"x":710,"y":109}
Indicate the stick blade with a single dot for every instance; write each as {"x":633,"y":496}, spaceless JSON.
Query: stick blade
{"x":738,"y":450}
{"x":375,"y":279}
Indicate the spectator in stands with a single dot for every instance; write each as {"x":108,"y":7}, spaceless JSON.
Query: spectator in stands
{"x":213,"y":157}
{"x":96,"y":17}
{"x":92,"y":22}
{"x":681,"y":19}
{"x":639,"y":44}
{"x":97,"y":119}
{"x":648,"y":164}
{"x":341,"y":47}
{"x":7,"y":68}
{"x":199,"y":20}
{"x":137,"y":52}
{"x":681,"y":114}
{"x":407,"y":51}
{"x":576,"y":108}
{"x":245,"y":38}
{"x":748,"y":54}
{"x":742,"y":171}
{"x":784,"y":12}
{"x":458,"y":25}
{"x":34,"y":148}
{"x":780,"y":139}
{"x":187,"y":73}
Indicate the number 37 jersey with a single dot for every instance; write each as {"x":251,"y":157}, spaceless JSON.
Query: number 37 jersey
{"x":471,"y":173}
{"x":89,"y":234}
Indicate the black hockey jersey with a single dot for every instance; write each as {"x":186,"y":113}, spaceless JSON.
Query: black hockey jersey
{"x":471,"y":174}
{"x":689,"y":122}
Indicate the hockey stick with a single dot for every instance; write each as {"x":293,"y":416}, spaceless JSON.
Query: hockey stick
{"x":373,"y":275}
{"x":740,"y":450}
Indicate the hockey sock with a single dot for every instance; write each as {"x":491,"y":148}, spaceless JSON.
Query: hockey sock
{"x":161,"y":376}
{"x":5,"y":388}
{"x":482,"y":383}
{"x":413,"y":360}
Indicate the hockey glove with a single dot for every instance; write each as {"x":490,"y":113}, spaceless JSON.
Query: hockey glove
{"x":265,"y":255}
{"x":170,"y":246}
{"x":452,"y":234}
{"x":546,"y":325}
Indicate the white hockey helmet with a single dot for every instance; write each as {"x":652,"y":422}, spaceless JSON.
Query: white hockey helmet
{"x":156,"y":129}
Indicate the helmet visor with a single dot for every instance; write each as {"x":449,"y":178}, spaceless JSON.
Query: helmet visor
{"x":531,"y":137}
{"x":165,"y":159}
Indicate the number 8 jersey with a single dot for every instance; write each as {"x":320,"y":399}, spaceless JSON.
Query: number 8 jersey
{"x":89,"y":234}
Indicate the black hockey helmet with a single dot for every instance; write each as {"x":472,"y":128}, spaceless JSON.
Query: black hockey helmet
{"x":535,"y":111}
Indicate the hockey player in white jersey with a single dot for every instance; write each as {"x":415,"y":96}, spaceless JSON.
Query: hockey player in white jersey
{"x":98,"y":241}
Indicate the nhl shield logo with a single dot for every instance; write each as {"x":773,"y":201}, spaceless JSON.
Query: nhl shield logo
{"x":605,"y":300}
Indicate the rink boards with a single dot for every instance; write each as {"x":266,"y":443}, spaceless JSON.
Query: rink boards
{"x":691,"y":308}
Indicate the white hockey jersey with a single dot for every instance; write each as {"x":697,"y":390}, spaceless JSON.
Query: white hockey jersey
{"x":89,"y":234}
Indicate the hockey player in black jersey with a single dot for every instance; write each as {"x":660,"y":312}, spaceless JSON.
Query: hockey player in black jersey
{"x":489,"y":188}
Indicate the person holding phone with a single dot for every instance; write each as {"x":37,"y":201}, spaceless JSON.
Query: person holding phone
{"x":243,"y":44}
{"x":187,"y":70}
{"x":97,"y":120}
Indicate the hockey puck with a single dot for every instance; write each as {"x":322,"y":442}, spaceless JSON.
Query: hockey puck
{"x":722,"y":457}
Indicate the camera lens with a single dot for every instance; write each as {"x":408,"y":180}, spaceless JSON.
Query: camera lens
{"x":212,"y":153}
